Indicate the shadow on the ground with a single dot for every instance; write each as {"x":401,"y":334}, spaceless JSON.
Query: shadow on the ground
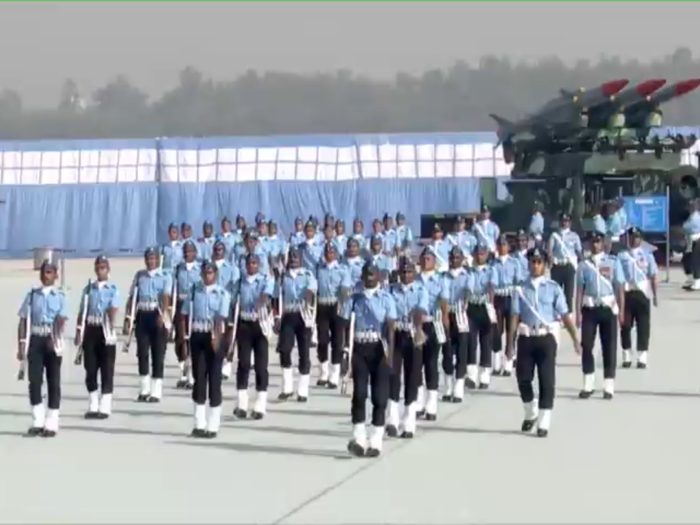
{"x":264,"y":449}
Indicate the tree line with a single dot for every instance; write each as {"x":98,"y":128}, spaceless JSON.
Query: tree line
{"x":455,"y":99}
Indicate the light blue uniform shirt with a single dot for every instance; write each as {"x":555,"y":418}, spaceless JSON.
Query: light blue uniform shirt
{"x":230,"y":240}
{"x":187,"y":275}
{"x":390,"y":241}
{"x":361,"y":239}
{"x":295,"y":284}
{"x":601,"y":283}
{"x":341,"y":243}
{"x":311,"y":255}
{"x":228,"y":278}
{"x":275,"y":245}
{"x":464,"y":240}
{"x":372,"y":311}
{"x":101,"y":297}
{"x":615,"y":225}
{"x":599,"y":224}
{"x":569,"y":247}
{"x":205,"y":247}
{"x":692,"y":224}
{"x":383,"y":262}
{"x":486,"y":232}
{"x":46,"y":305}
{"x":457,"y":284}
{"x":482,"y":278}
{"x":404,"y":236}
{"x":152,"y":285}
{"x":507,"y":272}
{"x":544,"y":302}
{"x":354,"y":266}
{"x":332,"y":279}
{"x":436,"y":287}
{"x":207,"y":304}
{"x":252,"y":288}
{"x":264,"y":265}
{"x":441,"y":249}
{"x":171,"y":255}
{"x":536,"y":227}
{"x":638,"y":265}
{"x":409,"y":299}
{"x":296,"y":238}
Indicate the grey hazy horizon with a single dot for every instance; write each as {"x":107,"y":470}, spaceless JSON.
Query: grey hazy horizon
{"x":43,"y":44}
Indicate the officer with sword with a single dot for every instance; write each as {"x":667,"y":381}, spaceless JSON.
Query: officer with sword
{"x":96,"y":339}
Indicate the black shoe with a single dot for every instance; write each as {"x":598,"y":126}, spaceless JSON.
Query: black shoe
{"x":430,"y":417}
{"x":483,"y":386}
{"x":143,"y":398}
{"x":391,"y":431}
{"x":585,"y":394}
{"x":470,"y":384}
{"x":507,"y":373}
{"x":302,"y":399}
{"x":528,"y":425}
{"x":607,"y":396}
{"x":331,"y":386}
{"x":542,"y":433}
{"x":257,"y":416}
{"x":284,"y":396}
{"x":497,"y":373}
{"x":198,"y":433}
{"x":189,"y":386}
{"x":627,"y":364}
{"x":34,"y":432}
{"x":372,"y":453}
{"x":356,"y":449}
{"x":102,"y":416}
{"x":420,"y":414}
{"x":48,"y":433}
{"x":181,"y":384}
{"x":457,"y":399}
{"x":641,"y":366}
{"x":447,"y":399}
{"x":407,"y":435}
{"x":92,"y":415}
{"x":240,"y":413}
{"x":321,"y":382}
{"x":152,"y":399}
{"x":208,"y":434}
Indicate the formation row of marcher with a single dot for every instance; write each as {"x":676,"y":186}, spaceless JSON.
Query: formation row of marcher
{"x":377,"y":317}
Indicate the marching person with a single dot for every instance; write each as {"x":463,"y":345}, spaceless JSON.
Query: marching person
{"x":311,"y":248}
{"x":600,"y":303}
{"x":228,"y":278}
{"x":353,"y":260}
{"x":298,"y":289}
{"x":536,"y":227}
{"x":435,"y":322}
{"x":597,"y":221}
{"x":241,"y":225}
{"x":485,"y":230}
{"x":640,"y":270}
{"x":340,"y":240}
{"x":186,"y":232}
{"x":404,"y":236}
{"x":99,"y":342}
{"x":251,"y":245}
{"x":482,"y":319}
{"x":150,"y":295}
{"x":380,"y":259}
{"x":206,"y":242}
{"x":42,"y":319}
{"x":507,"y":274}
{"x":464,"y":239}
{"x":187,"y":274}
{"x":390,"y":241}
{"x":615,"y":224}
{"x":297,"y":237}
{"x":535,"y":313}
{"x":455,"y":349}
{"x":275,"y":245}
{"x":252,"y":335}
{"x":334,"y":287}
{"x":412,"y":306}
{"x":203,"y":317}
{"x":691,"y":257}
{"x":171,"y":253}
{"x":521,"y":254}
{"x":441,"y":249}
{"x":565,"y":252}
{"x":374,"y":313}
{"x":358,"y":233}
{"x":228,"y":237}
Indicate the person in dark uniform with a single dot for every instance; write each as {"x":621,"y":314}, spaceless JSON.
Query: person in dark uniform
{"x":150,"y":291}
{"x":412,"y":305}
{"x":454,"y":351}
{"x":42,"y":319}
{"x":600,"y":303}
{"x":565,"y":252}
{"x":98,"y":313}
{"x":297,"y":293}
{"x":640,"y":270}
{"x":372,"y":314}
{"x":507,"y":276}
{"x":203,"y":318}
{"x":536,"y":309}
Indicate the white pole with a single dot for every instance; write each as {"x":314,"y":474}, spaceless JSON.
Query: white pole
{"x":668,"y":233}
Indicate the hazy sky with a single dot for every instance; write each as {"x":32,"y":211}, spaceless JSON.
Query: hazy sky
{"x":42,"y":44}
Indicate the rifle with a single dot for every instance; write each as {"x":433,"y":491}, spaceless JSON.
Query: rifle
{"x":24,"y":344}
{"x":130,"y":317}
{"x":81,"y":329}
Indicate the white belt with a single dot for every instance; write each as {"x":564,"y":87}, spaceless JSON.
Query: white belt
{"x":427,"y":318}
{"x":505,"y":292}
{"x":94,"y":320}
{"x":147,"y":306}
{"x":694,"y":236}
{"x":367,"y":337}
{"x":291,"y":308}
{"x":202,"y":326}
{"x":479,"y":299}
{"x":327,"y":301}
{"x":453,"y":308}
{"x":536,"y":331}
{"x":248,"y":316}
{"x":41,"y":329}
{"x":615,"y":238}
{"x":183,"y":296}
{"x":404,"y":326}
{"x":640,"y":286}
{"x":561,"y":262}
{"x":606,"y":301}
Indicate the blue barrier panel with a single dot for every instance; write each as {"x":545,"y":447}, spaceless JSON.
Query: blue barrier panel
{"x":649,"y":214}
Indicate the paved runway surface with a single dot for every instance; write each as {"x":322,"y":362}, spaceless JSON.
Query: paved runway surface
{"x":634,"y":459}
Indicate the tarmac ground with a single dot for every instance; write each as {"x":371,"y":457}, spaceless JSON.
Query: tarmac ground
{"x":618,"y":461}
